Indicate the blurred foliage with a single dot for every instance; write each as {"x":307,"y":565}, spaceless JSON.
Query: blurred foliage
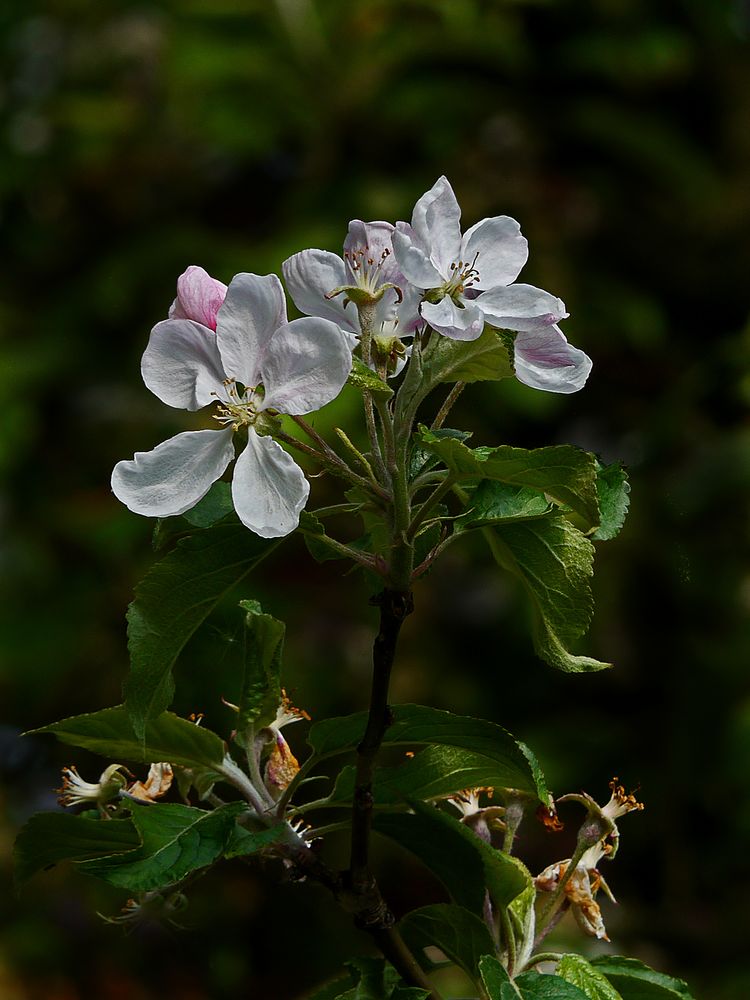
{"x":140,"y":137}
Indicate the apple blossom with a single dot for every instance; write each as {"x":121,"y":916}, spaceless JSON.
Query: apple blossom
{"x":255,"y":366}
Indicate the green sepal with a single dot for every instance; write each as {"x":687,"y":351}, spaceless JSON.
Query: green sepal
{"x":467,"y":865}
{"x":576,"y":970}
{"x":457,"y":932}
{"x":175,"y":841}
{"x":51,"y":837}
{"x":173,"y":600}
{"x":563,"y":472}
{"x":554,"y":562}
{"x":169,"y":738}
{"x":634,"y":980}
{"x":260,"y":695}
{"x":419,"y":724}
{"x":364,"y":377}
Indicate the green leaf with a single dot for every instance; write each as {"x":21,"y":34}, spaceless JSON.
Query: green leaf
{"x":410,"y":993}
{"x":339,"y":989}
{"x":563,"y":472}
{"x":496,"y":980}
{"x":421,"y":460}
{"x":554,"y":562}
{"x":173,"y":599}
{"x":365,"y":378}
{"x":415,"y":724}
{"x":464,"y":863}
{"x":535,"y":986}
{"x":435,"y":772}
{"x":457,"y":932}
{"x":110,"y":733}
{"x":635,"y":981}
{"x":214,"y":507}
{"x":51,"y":837}
{"x":493,"y":503}
{"x":576,"y":970}
{"x":523,"y":909}
{"x":175,"y":840}
{"x":486,"y":359}
{"x":260,"y":695}
{"x":613,"y":490}
{"x":243,"y":842}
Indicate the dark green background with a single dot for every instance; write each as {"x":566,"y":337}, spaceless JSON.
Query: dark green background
{"x":143,"y":137}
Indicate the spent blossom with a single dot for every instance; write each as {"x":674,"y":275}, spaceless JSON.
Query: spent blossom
{"x":470,"y":280}
{"x":253,"y":367}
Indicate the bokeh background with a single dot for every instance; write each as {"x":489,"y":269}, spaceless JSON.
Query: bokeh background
{"x":142,"y":137}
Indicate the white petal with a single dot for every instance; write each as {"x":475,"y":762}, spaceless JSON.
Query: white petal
{"x":174,"y":476}
{"x":521,"y":307}
{"x":442,"y":220}
{"x":414,"y":262}
{"x":499,"y":248}
{"x":252,"y":312}
{"x":543,"y":359}
{"x":199,"y":297}
{"x":375,"y":239}
{"x":452,"y":321}
{"x":268,"y":489}
{"x":307,"y":364}
{"x":309,"y":276}
{"x":181,"y":364}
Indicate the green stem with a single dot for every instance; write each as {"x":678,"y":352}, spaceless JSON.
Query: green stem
{"x":509,"y":938}
{"x":549,"y":910}
{"x":543,"y":956}
{"x":442,"y":490}
{"x":445,"y":409}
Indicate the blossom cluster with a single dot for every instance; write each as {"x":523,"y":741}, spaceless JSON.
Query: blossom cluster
{"x":233,"y":348}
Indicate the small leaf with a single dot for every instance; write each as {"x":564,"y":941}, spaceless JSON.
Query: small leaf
{"x":434,"y":773}
{"x":535,"y":986}
{"x":635,"y":981}
{"x":457,"y":932}
{"x":175,"y":840}
{"x":260,"y":695}
{"x":496,"y":980}
{"x":110,"y":733}
{"x":173,"y":599}
{"x":243,"y":842}
{"x":576,"y":970}
{"x":464,"y":863}
{"x":523,"y":908}
{"x":563,"y":472}
{"x":493,"y":503}
{"x":415,"y":724}
{"x":51,"y":837}
{"x":214,"y":507}
{"x":421,"y":460}
{"x":554,"y":562}
{"x":485,"y":359}
{"x":365,"y":378}
{"x":613,"y":489}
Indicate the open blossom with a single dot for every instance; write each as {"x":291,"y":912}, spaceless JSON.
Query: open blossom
{"x":470,"y":280}
{"x":323,"y":284}
{"x":253,"y":367}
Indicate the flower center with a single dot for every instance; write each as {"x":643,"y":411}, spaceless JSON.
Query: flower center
{"x":240,"y":408}
{"x":365,"y":268}
{"x":463,"y":275}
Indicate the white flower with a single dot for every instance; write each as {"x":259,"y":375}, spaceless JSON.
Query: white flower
{"x":255,"y":365}
{"x":323,"y":284}
{"x":76,"y":791}
{"x":469,"y":280}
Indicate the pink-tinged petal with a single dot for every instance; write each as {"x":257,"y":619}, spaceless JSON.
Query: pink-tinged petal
{"x":252,"y":312}
{"x":174,"y":476}
{"x":371,"y":241}
{"x":310,"y":275}
{"x":414,"y":262}
{"x":521,"y":307}
{"x":199,"y":297}
{"x":269,"y":490}
{"x":181,"y":364}
{"x":306,"y":366}
{"x":499,"y":249}
{"x":543,"y":359}
{"x":453,"y":321}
